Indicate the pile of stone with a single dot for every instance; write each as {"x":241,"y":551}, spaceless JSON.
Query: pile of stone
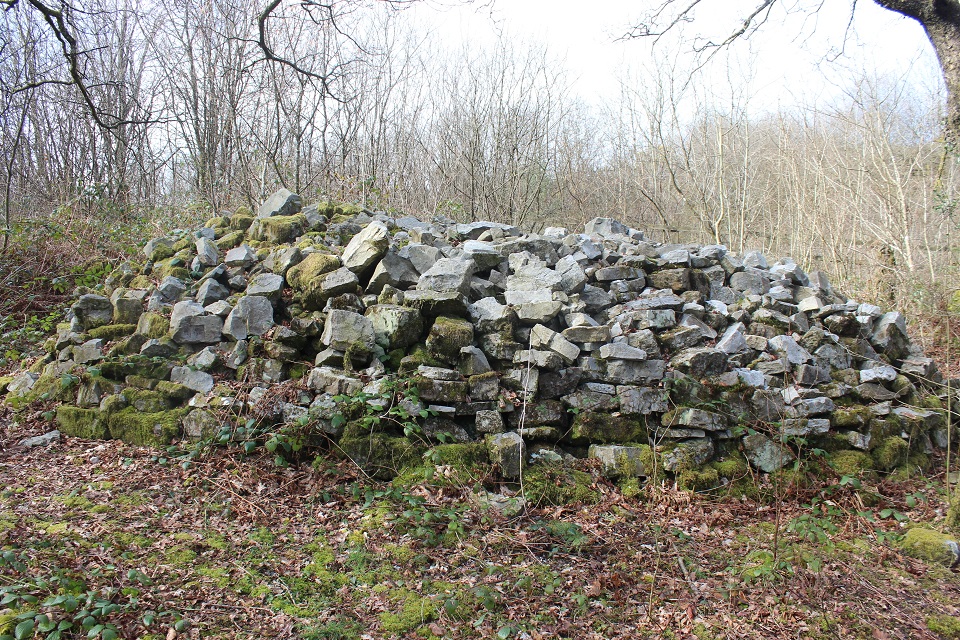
{"x":548,"y":345}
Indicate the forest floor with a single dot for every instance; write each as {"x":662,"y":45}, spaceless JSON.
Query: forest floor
{"x":109,"y":540}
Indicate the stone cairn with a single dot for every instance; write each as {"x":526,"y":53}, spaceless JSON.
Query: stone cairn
{"x":542,"y":346}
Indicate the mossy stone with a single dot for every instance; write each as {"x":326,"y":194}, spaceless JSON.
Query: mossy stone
{"x":241,"y":220}
{"x":379,"y":455}
{"x":153,"y":325}
{"x":146,"y":429}
{"x":698,"y":479}
{"x":850,"y":463}
{"x":278,"y":229}
{"x":853,"y":417}
{"x":891,"y":453}
{"x":462,"y":463}
{"x":930,"y":546}
{"x":172,"y":267}
{"x":82,"y":423}
{"x":112,"y":331}
{"x":136,"y":365}
{"x":557,"y":484}
{"x":230,"y":240}
{"x":217,"y":222}
{"x":447,"y":336}
{"x":141,"y":282}
{"x":604,"y":428}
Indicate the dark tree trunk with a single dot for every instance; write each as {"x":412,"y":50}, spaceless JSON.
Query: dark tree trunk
{"x":941,"y":20}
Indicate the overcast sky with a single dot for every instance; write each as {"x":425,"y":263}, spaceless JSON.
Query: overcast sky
{"x":789,"y":59}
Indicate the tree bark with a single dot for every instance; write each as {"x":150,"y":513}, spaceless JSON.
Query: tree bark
{"x":941,"y":20}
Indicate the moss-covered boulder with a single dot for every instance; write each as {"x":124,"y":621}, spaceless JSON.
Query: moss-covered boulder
{"x":851,"y":463}
{"x":112,"y":331}
{"x":931,"y":546}
{"x":891,"y":453}
{"x":447,"y":336}
{"x":605,"y":428}
{"x":278,"y":229}
{"x":89,"y":424}
{"x":153,"y":325}
{"x":557,"y":484}
{"x":230,"y":240}
{"x":306,"y":279}
{"x":156,"y":429}
{"x":379,"y":455}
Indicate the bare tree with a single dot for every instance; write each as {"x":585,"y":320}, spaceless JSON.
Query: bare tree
{"x":940,"y":20}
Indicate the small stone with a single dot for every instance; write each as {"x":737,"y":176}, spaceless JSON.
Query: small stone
{"x":198,"y":381}
{"x":44,"y":440}
{"x":508,"y":452}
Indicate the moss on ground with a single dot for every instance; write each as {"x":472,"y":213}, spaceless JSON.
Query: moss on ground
{"x":558,"y":484}
{"x":930,"y":546}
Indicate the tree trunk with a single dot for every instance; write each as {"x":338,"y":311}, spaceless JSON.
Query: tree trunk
{"x":941,"y":21}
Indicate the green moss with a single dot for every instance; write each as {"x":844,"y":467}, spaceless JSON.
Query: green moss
{"x":418,"y":356}
{"x":447,"y":336}
{"x":413,"y":611}
{"x":141,"y":282}
{"x":278,"y":229}
{"x":153,"y":325}
{"x":698,"y":479}
{"x":850,"y":463}
{"x":230,"y":240}
{"x":945,"y":626}
{"x":82,"y":423}
{"x":242,"y":219}
{"x":601,"y":428}
{"x":179,"y":556}
{"x":379,"y":455}
{"x":172,"y":267}
{"x":5,"y":382}
{"x":448,"y":465}
{"x":930,"y":546}
{"x":732,"y":468}
{"x":853,"y":417}
{"x":558,"y":484}
{"x":146,"y":429}
{"x":306,"y":278}
{"x":112,"y":331}
{"x":136,"y":365}
{"x":891,"y":453}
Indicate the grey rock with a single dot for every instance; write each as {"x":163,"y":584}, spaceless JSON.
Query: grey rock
{"x":643,"y":400}
{"x":366,"y":248}
{"x":158,"y":249}
{"x":700,"y":362}
{"x":542,"y":337}
{"x":93,"y":311}
{"x":695,"y":419}
{"x":421,"y":256}
{"x":211,"y":291}
{"x":268,"y":285}
{"x":88,"y":352}
{"x":242,"y":256}
{"x":617,"y":461}
{"x":786,"y":347}
{"x":605,"y":227}
{"x":448,"y":275}
{"x":688,"y":454}
{"x":343,"y":328}
{"x":281,"y":203}
{"x":622,"y":351}
{"x":508,"y":452}
{"x":252,"y":316}
{"x":394,"y":271}
{"x":282,"y":260}
{"x":190,"y":324}
{"x":200,"y":424}
{"x":765,"y":454}
{"x":489,"y":316}
{"x":44,"y":440}
{"x":630,"y":372}
{"x":395,"y":327}
{"x":208,"y":254}
{"x":199,"y":381}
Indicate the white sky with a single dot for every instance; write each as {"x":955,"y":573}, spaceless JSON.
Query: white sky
{"x":788,"y":58}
